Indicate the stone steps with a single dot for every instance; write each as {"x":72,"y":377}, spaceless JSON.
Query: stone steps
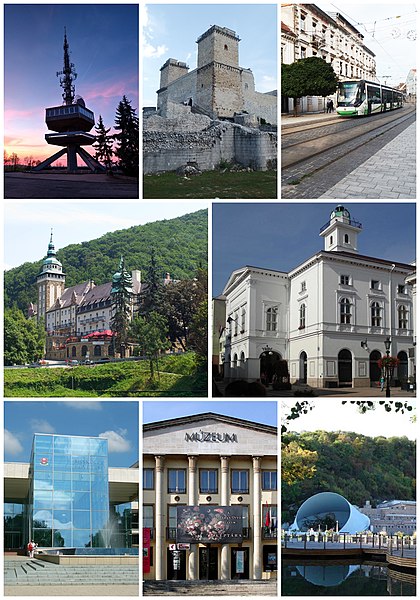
{"x":37,"y":573}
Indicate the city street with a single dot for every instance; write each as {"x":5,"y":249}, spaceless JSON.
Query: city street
{"x":367,"y":157}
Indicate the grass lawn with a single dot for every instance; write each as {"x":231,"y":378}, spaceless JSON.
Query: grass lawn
{"x":212,"y":184}
{"x":177,"y":377}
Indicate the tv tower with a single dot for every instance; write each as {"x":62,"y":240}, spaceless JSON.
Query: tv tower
{"x":71,"y":121}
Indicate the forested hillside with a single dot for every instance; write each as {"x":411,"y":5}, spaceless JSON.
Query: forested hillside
{"x":180,"y":248}
{"x":358,"y":467}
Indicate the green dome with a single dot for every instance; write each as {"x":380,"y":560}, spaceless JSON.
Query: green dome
{"x":340,"y":211}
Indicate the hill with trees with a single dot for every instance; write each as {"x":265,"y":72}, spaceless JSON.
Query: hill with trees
{"x":180,"y":248}
{"x":358,"y":467}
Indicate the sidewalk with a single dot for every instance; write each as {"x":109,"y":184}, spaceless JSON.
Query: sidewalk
{"x":390,"y":173}
{"x":289,"y":121}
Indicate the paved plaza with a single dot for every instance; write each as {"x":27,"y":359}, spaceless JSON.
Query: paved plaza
{"x":24,"y":576}
{"x":389,"y":173}
{"x":66,"y":186}
{"x":242,"y":587}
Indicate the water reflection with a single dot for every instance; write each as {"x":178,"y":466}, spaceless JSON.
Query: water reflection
{"x":344,"y":578}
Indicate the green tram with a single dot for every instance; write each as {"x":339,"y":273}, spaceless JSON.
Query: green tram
{"x":357,"y":98}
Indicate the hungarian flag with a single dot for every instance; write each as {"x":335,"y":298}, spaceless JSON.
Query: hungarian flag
{"x":267,"y":516}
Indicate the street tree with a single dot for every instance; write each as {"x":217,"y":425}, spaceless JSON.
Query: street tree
{"x":24,"y":339}
{"x":103,"y":145}
{"x":198,"y":334}
{"x":127,"y":151}
{"x":150,"y":333}
{"x":121,"y":292}
{"x":307,"y":77}
{"x":181,"y":301}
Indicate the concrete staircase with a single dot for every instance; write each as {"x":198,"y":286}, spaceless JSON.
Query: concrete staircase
{"x":244,"y":587}
{"x":36,"y":572}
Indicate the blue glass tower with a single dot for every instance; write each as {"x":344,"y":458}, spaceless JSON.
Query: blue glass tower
{"x":68,"y":495}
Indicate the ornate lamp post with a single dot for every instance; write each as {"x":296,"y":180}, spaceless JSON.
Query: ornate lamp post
{"x":388,"y":367}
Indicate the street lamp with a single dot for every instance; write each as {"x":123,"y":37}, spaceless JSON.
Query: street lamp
{"x":388,"y":368}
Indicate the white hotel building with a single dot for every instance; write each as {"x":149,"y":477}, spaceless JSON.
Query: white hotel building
{"x":328,"y":317}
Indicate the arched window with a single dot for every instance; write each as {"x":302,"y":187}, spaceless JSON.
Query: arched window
{"x":73,"y":351}
{"x":271,"y":319}
{"x":346,"y":238}
{"x":345,"y":311}
{"x":331,"y":240}
{"x":402,"y":317}
{"x":375,"y":314}
{"x":226,"y":47}
{"x":242,"y":359}
{"x":97,"y":350}
{"x":302,"y":316}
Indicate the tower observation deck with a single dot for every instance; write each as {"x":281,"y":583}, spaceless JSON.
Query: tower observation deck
{"x":70,"y":123}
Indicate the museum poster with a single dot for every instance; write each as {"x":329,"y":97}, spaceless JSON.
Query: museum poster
{"x":209,"y":524}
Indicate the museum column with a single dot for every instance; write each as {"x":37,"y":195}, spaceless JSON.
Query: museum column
{"x":192,"y":501}
{"x":224,"y":501}
{"x":160,"y":461}
{"x":256,"y":509}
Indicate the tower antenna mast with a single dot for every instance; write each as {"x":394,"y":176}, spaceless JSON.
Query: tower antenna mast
{"x":67,"y":75}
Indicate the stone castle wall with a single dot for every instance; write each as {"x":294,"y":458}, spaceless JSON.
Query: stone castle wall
{"x":172,"y":143}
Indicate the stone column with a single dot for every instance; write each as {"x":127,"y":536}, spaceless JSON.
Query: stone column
{"x":224,"y":501}
{"x":160,"y":529}
{"x":256,"y":506}
{"x":192,"y":501}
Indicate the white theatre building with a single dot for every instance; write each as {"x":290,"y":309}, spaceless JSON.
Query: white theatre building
{"x":328,"y":318}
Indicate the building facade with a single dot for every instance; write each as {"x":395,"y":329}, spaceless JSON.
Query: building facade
{"x":391,"y":517}
{"x":328,"y":317}
{"x":308,"y":31}
{"x":218,"y":86}
{"x":68,"y":497}
{"x":210,"y":461}
{"x":78,"y":318}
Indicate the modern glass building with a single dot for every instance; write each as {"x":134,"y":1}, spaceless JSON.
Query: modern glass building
{"x":62,"y":499}
{"x":68,"y":496}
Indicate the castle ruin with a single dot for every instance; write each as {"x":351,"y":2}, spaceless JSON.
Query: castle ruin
{"x":212,"y":113}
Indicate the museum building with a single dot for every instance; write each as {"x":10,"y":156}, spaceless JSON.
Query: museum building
{"x":329,"y":317}
{"x":68,"y":497}
{"x":209,"y":499}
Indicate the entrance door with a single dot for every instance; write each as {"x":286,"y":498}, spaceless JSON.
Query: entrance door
{"x":402,"y":369}
{"x":374,"y":370}
{"x":12,"y":540}
{"x":269,"y":365}
{"x":239,"y":563}
{"x":303,"y":367}
{"x":176,"y":564}
{"x":345,"y":368}
{"x":208,"y":563}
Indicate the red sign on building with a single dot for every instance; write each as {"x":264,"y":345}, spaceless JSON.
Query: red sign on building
{"x":146,"y":550}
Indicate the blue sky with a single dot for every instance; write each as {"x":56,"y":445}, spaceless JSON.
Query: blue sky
{"x":388,"y":31}
{"x":103,"y":41}
{"x":117,"y":421}
{"x":259,"y":412}
{"x":76,"y":222}
{"x":281,"y":236}
{"x":171,"y":30}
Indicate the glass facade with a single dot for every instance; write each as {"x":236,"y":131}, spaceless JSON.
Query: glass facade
{"x":69,"y":497}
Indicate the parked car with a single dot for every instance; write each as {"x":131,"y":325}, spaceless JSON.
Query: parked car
{"x":73,"y":363}
{"x":34,"y":365}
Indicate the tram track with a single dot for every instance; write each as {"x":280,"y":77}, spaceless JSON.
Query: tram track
{"x":300,"y":151}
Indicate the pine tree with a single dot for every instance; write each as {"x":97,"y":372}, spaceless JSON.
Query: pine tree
{"x":154,"y":298}
{"x":127,"y":123}
{"x":103,"y":145}
{"x":121,"y":294}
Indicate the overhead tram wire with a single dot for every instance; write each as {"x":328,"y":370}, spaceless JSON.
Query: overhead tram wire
{"x":369,"y":33}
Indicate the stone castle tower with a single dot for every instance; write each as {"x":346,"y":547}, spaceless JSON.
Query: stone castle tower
{"x":50,"y":282}
{"x":219,"y":88}
{"x":215,"y":85}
